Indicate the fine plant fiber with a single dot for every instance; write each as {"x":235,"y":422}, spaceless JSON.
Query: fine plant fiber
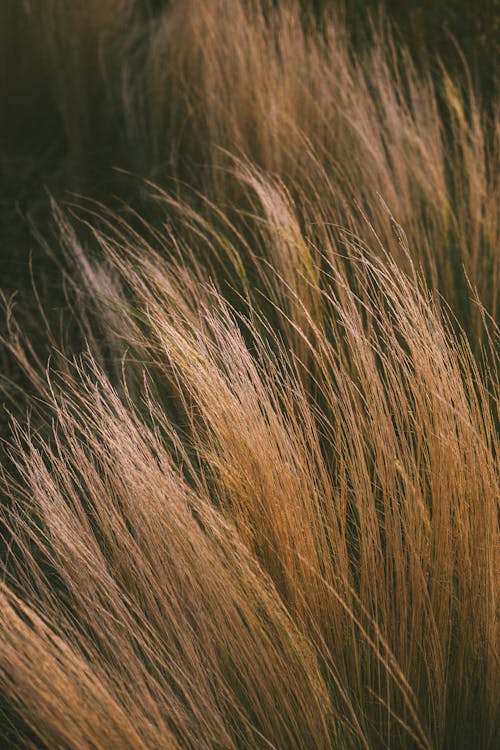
{"x":255,"y":503}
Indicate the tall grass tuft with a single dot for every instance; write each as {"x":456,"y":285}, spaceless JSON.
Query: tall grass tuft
{"x":259,"y":508}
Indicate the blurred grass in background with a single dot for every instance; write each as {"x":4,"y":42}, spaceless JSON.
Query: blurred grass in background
{"x":438,"y":29}
{"x":83,"y":90}
{"x":461,"y":35}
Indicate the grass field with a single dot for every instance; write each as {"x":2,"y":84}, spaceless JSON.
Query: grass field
{"x":249,"y":376}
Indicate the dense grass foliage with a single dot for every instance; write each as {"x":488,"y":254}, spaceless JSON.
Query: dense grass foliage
{"x":250,"y":500}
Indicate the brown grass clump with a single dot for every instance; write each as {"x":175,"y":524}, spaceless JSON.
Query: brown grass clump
{"x":260,"y":508}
